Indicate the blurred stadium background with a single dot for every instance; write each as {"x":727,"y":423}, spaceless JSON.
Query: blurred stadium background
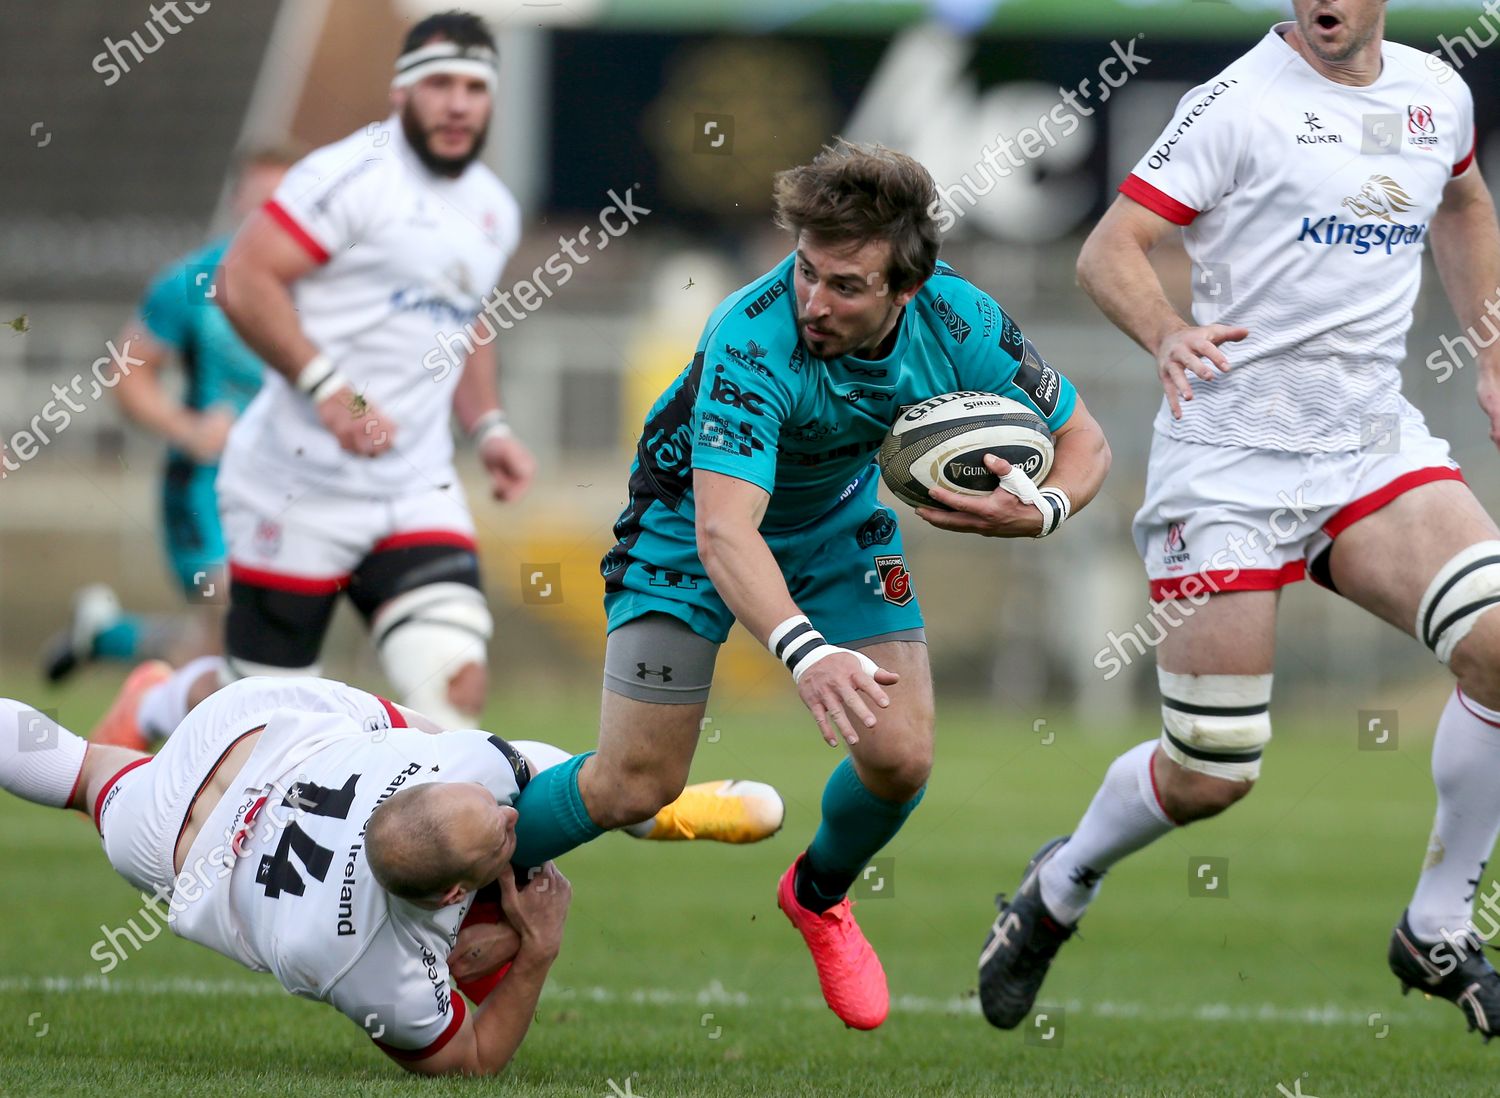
{"x":115,"y":168}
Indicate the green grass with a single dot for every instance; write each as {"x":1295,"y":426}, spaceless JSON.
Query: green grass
{"x":679,"y":973}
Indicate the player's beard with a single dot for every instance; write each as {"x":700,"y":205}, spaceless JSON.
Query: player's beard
{"x":863,"y":344}
{"x":449,"y":166}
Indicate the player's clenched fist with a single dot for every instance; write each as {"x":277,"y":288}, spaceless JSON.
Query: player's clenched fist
{"x":539,"y":910}
{"x":1196,"y":351}
{"x":359,"y":426}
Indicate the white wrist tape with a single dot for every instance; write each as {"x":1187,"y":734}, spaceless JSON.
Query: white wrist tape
{"x":320,"y":379}
{"x":798,"y":645}
{"x":1055,"y":507}
{"x":493,"y":424}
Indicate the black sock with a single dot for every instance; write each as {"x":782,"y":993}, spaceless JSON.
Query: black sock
{"x":817,"y":890}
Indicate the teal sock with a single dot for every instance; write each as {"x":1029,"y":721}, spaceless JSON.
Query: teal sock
{"x":551,"y":818}
{"x":121,"y":641}
{"x":856,"y":825}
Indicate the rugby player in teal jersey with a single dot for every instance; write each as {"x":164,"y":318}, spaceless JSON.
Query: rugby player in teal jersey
{"x":179,"y":318}
{"x":753,"y":499}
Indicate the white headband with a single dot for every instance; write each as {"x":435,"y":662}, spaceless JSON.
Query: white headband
{"x":446,"y":57}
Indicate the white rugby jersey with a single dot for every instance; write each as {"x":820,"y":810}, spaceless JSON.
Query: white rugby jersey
{"x":1305,"y":206}
{"x":406,"y":257}
{"x":277,"y":879}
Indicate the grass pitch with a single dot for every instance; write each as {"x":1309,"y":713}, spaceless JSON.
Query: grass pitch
{"x":680,"y":977}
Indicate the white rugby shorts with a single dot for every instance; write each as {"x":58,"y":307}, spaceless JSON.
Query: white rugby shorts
{"x":308,"y":538}
{"x":1226,"y":518}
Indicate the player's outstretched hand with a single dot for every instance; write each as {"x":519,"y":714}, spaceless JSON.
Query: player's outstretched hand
{"x":539,"y":910}
{"x":1001,"y":514}
{"x":1193,"y":351}
{"x":510,"y":466}
{"x":835,"y":688}
{"x":360,"y":426}
{"x":1489,"y":400}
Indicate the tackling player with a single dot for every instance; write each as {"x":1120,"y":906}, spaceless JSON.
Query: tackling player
{"x":339,"y":478}
{"x":753,"y":498}
{"x":307,"y":828}
{"x":1307,"y":178}
{"x":179,"y":318}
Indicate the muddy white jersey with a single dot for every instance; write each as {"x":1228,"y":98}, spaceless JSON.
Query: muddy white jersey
{"x":281,"y":878}
{"x":405,"y":258}
{"x":1306,"y":206}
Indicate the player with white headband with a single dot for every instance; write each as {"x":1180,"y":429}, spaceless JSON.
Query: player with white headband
{"x":339,"y":478}
{"x":374,"y":251}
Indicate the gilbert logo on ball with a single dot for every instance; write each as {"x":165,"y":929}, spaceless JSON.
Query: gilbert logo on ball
{"x":942,"y":443}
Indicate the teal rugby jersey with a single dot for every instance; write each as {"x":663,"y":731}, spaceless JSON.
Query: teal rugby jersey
{"x":755,"y":405}
{"x":218,"y":369}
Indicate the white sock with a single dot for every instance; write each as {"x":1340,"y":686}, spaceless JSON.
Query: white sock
{"x":40,"y":760}
{"x":1466,"y":771}
{"x":1123,"y":817}
{"x":165,"y":705}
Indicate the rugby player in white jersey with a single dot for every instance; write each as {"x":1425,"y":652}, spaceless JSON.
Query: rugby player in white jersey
{"x":343,"y":843}
{"x":339,"y":477}
{"x":1307,"y":178}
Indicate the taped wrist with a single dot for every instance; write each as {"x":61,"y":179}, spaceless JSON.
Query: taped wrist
{"x":1055,"y":507}
{"x":798,"y":645}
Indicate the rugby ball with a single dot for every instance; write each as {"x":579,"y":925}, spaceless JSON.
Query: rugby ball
{"x":941,"y":443}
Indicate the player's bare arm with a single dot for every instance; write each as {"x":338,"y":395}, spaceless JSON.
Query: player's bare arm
{"x":260,"y":266}
{"x":1466,"y":248}
{"x":745,"y":573}
{"x":476,"y":403}
{"x":1114,"y":270}
{"x":1081,"y":463}
{"x":142,"y":397}
{"x":482,"y":949}
{"x":491,"y":1034}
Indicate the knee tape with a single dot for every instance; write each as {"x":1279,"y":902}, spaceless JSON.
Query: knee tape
{"x":425,"y":637}
{"x":1463,"y":589}
{"x":1217,"y":725}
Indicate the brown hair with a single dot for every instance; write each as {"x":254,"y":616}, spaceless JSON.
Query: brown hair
{"x":854,"y":193}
